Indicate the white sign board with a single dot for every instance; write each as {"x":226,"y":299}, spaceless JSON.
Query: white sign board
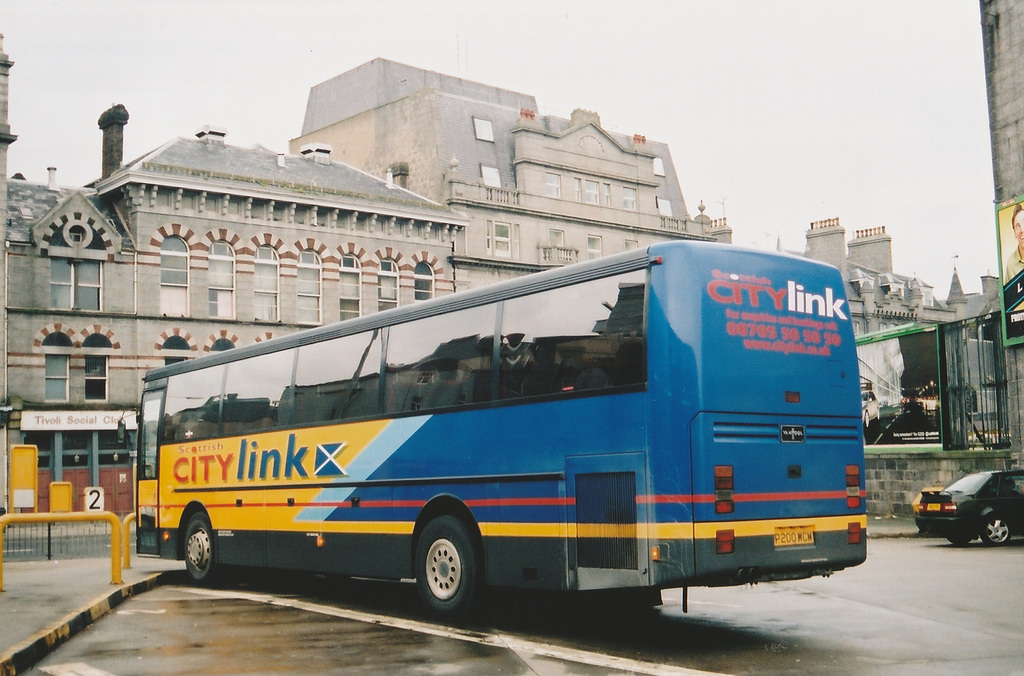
{"x":76,"y":420}
{"x":94,"y":499}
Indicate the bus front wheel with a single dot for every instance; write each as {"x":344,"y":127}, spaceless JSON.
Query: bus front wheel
{"x":447,"y":570}
{"x":199,"y":549}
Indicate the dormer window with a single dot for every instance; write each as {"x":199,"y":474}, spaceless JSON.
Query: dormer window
{"x":483,"y":129}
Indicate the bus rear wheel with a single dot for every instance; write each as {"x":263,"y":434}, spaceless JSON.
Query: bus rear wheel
{"x":447,"y":568}
{"x":199,"y":550}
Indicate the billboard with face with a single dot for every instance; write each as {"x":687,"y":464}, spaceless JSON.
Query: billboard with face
{"x":1010,"y":225}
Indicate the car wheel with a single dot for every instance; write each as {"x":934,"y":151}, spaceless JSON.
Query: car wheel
{"x":447,"y":573}
{"x":995,"y":531}
{"x":199,"y":550}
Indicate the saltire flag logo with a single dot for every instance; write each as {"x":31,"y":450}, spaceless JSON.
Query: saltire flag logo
{"x":327,"y":460}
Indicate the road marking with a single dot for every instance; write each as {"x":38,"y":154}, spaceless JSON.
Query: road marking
{"x":142,"y":612}
{"x":74,"y":669}
{"x":509,"y":642}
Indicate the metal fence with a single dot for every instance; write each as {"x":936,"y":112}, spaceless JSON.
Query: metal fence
{"x":55,"y":541}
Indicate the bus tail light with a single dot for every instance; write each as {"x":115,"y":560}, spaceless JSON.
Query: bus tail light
{"x":724,"y":487}
{"x":854,"y":534}
{"x":853,"y":486}
{"x":725,"y":542}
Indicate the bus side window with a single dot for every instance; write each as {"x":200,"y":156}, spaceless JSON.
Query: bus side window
{"x":337,"y":379}
{"x":192,"y":406}
{"x":440,"y":362}
{"x":586,"y":336}
{"x":253,"y":393}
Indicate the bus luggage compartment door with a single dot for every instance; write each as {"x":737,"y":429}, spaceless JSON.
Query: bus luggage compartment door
{"x":607,"y":545}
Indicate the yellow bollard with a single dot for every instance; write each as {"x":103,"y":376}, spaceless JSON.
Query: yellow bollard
{"x":49,"y":517}
{"x":126,"y":540}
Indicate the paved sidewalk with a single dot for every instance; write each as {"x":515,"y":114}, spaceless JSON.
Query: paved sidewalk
{"x":44,"y":603}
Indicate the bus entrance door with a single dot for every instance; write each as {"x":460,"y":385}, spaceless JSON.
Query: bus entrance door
{"x":605,"y":543}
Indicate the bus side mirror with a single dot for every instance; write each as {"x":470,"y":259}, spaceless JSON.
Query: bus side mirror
{"x":122,"y":431}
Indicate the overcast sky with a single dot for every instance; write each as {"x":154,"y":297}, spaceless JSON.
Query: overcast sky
{"x":776,"y":113}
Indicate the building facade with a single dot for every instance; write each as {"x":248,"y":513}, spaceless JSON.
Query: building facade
{"x":539,"y":191}
{"x":1002,"y":23}
{"x":197,"y":246}
{"x":881,"y":298}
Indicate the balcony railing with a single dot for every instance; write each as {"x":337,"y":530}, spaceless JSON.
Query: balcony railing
{"x":558,"y":255}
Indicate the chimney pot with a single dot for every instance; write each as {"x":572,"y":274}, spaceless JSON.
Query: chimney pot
{"x":52,"y":182}
{"x":112,"y":123}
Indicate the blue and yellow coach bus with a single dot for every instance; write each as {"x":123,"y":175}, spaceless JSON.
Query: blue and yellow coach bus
{"x":686,"y":414}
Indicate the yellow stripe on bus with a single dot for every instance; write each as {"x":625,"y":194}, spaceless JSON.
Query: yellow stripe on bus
{"x":707,"y":530}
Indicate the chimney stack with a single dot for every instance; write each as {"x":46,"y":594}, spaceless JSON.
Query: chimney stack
{"x":52,"y":182}
{"x":112,"y":123}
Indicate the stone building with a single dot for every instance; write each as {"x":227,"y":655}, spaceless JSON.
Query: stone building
{"x":539,"y":191}
{"x":881,"y":298}
{"x":197,"y":246}
{"x":1002,"y":23}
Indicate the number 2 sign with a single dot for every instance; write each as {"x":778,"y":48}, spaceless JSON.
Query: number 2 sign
{"x":94,"y":499}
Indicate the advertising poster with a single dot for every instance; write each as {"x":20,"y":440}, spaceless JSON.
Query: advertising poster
{"x":899,"y":389}
{"x":1010,"y":226}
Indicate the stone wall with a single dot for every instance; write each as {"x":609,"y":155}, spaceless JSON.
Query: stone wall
{"x":893,"y":479}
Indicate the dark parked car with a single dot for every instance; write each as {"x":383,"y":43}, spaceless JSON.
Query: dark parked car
{"x":989,"y":505}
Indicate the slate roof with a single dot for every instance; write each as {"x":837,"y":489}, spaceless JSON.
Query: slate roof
{"x":380,"y":82}
{"x":28,"y":202}
{"x":244,"y":169}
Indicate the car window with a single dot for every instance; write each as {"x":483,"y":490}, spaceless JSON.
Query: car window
{"x":1011,"y":486}
{"x":969,"y":484}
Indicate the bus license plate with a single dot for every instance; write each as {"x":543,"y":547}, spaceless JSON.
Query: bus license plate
{"x":794,"y":536}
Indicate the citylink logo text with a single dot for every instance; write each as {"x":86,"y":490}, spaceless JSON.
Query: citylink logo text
{"x":252,"y":463}
{"x":753,"y":291}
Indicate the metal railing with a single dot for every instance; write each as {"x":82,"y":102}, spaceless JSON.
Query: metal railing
{"x":77,"y":536}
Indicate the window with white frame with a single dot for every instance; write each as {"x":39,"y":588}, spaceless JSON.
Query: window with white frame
{"x":631,"y":244}
{"x":483,"y":129}
{"x":578,"y":184}
{"x":58,"y":348}
{"x":503,"y":239}
{"x":387,"y":285}
{"x":74,"y":284}
{"x":606,"y":194}
{"x":222,"y":280}
{"x":595,"y":247}
{"x":96,"y":367}
{"x":552,"y":185}
{"x":664,"y":206}
{"x":590,"y":191}
{"x":174,"y":277}
{"x":492,"y":178}
{"x":629,"y":199}
{"x":265,"y":283}
{"x":423,"y":281}
{"x":308,"y":304}
{"x":351,"y":284}
{"x":659,"y":167}
{"x":556,"y":237}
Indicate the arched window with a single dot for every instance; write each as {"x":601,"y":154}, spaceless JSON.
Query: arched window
{"x":56,"y":376}
{"x":265,"y":270}
{"x":423,"y":277}
{"x":172,"y":344}
{"x":221,"y":345}
{"x":96,"y":367}
{"x":351,"y":284}
{"x":174,"y":277}
{"x":222,"y":280}
{"x":387,"y":285}
{"x":308,"y":304}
